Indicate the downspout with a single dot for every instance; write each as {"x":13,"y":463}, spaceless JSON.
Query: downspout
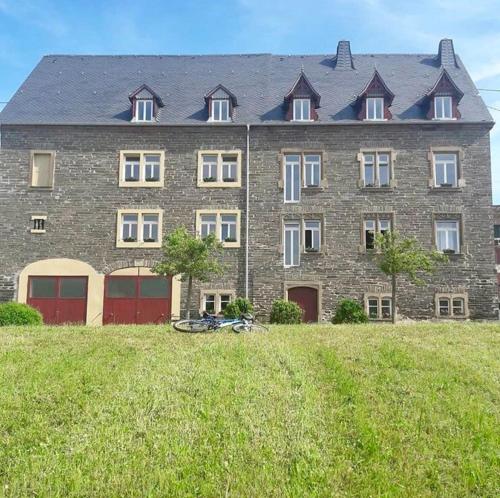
{"x":247,"y":210}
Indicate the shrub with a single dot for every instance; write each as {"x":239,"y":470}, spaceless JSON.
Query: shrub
{"x":285,"y":312}
{"x":237,"y":307}
{"x":350,"y":311}
{"x":19,"y":314}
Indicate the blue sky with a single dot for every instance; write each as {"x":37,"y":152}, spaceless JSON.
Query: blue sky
{"x":30,"y":29}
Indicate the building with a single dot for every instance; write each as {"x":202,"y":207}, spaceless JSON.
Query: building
{"x":295,"y":162}
{"x":496,"y":235}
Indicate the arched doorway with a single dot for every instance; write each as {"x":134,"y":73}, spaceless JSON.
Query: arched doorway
{"x":307,"y":299}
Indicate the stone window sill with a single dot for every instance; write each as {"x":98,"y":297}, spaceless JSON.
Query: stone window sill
{"x":377,"y":189}
{"x":445,"y":189}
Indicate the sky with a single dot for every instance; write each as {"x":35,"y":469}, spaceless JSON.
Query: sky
{"x":30,"y":29}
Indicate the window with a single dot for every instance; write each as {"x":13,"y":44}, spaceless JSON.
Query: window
{"x":379,"y":307}
{"x":496,"y":229}
{"x":292,"y":178}
{"x":223,"y":223}
{"x":219,"y":168}
{"x":376,"y":169}
{"x":215,"y":301}
{"x":141,"y":168}
{"x":443,"y":108}
{"x":38,"y":223}
{"x":57,"y":287}
{"x":451,"y":305}
{"x":139,"y":228}
{"x":445,"y":170}
{"x":374,"y":108}
{"x":301,"y":109}
{"x":220,"y":109}
{"x":448,"y":236}
{"x":312,"y":235}
{"x":312,"y":170}
{"x":144,"y":110}
{"x":292,"y":244}
{"x":42,"y":169}
{"x":373,"y":226}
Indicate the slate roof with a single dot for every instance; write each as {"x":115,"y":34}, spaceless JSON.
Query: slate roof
{"x":82,"y":89}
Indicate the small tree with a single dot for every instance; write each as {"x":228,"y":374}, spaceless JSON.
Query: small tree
{"x":403,"y":256}
{"x":191,"y":257}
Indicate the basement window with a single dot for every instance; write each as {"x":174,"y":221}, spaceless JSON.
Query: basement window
{"x":38,"y":223}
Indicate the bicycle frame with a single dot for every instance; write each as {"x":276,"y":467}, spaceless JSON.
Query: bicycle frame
{"x":215,"y":323}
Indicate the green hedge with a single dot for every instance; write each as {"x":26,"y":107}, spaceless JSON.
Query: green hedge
{"x":237,"y":307}
{"x":286,"y":312}
{"x":350,"y":311}
{"x":19,"y":314}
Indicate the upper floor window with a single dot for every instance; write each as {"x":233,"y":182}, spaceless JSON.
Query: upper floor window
{"x":312,"y":170}
{"x":373,"y":226}
{"x":448,"y":236}
{"x":301,"y":109}
{"x":141,"y":168}
{"x":219,"y":168}
{"x":42,"y":169}
{"x":223,"y":223}
{"x":496,"y":229}
{"x":144,"y":110}
{"x":445,"y":170}
{"x":139,"y":228}
{"x":220,"y":110}
{"x":312,"y":235}
{"x":301,"y":236}
{"x":374,"y":108}
{"x":291,"y":244}
{"x":376,"y":169}
{"x":292,"y":178}
{"x":443,"y":107}
{"x":301,"y":170}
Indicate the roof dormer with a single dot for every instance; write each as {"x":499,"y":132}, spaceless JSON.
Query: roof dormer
{"x":374,"y":100}
{"x":220,"y":103}
{"x":302,"y":100}
{"x":443,"y":98}
{"x":145,"y":104}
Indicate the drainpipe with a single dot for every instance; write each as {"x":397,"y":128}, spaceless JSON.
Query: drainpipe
{"x":247,"y":209}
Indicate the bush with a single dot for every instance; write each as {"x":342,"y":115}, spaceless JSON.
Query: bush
{"x":19,"y":314}
{"x":286,"y":312}
{"x":237,"y":307}
{"x":350,"y":311}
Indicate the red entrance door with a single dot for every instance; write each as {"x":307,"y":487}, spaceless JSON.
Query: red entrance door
{"x":307,"y":299}
{"x":135,"y":299}
{"x":59,"y":299}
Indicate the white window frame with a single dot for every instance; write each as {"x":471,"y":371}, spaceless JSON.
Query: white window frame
{"x":439,"y":107}
{"x":375,"y":101}
{"x":376,"y":154}
{"x":222,"y":156}
{"x":451,"y":297}
{"x":312,"y":164}
{"x":435,"y":163}
{"x":295,"y":227}
{"x":142,"y":168}
{"x":217,"y":293}
{"x":219,"y":117}
{"x":379,"y":298}
{"x":295,"y":188}
{"x":377,"y":222}
{"x":300,"y":105}
{"x":147,"y":103}
{"x":457,"y":224}
{"x":218,"y":231}
{"x":316,"y":229}
{"x":140,"y":228}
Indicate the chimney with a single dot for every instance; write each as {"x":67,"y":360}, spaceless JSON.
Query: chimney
{"x":446,"y":54}
{"x":344,"y":57}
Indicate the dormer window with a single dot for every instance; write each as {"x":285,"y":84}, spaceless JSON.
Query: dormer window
{"x":144,"y":110}
{"x":374,"y":108}
{"x":443,"y":108}
{"x":301,"y":109}
{"x":220,"y":109}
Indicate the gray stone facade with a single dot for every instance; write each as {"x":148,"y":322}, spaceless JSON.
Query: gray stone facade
{"x":82,"y":207}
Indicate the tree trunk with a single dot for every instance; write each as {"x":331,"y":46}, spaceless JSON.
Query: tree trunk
{"x":394,"y":300}
{"x":188,"y":299}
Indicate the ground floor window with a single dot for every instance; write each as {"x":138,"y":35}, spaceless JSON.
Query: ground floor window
{"x":215,"y":302}
{"x":379,"y":307}
{"x":451,"y":306}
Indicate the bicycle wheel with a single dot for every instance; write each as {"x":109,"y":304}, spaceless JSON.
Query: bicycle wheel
{"x":190,"y":326}
{"x":249,"y":327}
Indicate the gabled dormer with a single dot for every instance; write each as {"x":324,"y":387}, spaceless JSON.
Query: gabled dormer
{"x":442,"y":99}
{"x":145,"y":104}
{"x":220,"y":104}
{"x":302,"y":100}
{"x":374,"y":100}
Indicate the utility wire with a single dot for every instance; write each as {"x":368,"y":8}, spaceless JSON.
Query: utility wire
{"x":488,"y":90}
{"x":494,"y":108}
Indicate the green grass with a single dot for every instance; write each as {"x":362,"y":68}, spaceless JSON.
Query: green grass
{"x":304,"y":411}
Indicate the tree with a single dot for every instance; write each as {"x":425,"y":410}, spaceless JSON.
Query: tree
{"x":190,"y":257}
{"x":403,"y":256}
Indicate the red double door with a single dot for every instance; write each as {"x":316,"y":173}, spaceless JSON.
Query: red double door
{"x":59,"y":299}
{"x":137,"y":299}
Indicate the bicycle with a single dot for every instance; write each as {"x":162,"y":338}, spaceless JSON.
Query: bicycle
{"x":246,"y":323}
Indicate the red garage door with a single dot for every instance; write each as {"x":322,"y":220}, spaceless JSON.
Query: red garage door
{"x":307,"y":299}
{"x":134,"y":299}
{"x":59,"y":299}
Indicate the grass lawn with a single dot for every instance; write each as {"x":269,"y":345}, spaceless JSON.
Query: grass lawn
{"x":302,"y":411}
